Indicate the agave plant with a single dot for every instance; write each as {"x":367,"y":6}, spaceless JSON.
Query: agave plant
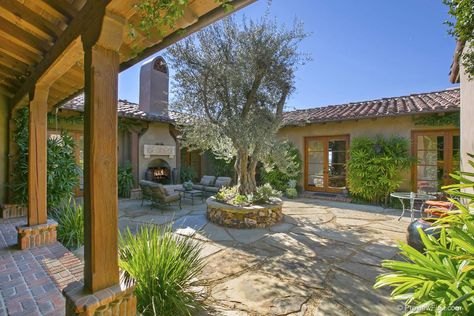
{"x":70,"y":218}
{"x":162,"y":266}
{"x":439,"y":281}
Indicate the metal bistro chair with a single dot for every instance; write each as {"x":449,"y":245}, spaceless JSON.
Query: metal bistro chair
{"x":146,"y":192}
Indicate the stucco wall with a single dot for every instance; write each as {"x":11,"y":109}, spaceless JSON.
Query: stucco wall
{"x":400,"y":126}
{"x":3,"y":148}
{"x":157,"y":133}
{"x":467,"y":116}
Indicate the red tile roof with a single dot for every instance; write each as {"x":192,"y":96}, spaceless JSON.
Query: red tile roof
{"x":124,"y":109}
{"x":423,"y":103}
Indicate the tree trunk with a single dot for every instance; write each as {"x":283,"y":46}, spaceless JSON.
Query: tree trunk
{"x":245,"y":173}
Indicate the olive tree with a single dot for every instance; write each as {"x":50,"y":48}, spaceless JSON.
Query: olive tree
{"x":231,"y":84}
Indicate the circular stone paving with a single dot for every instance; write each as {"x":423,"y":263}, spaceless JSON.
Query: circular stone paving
{"x":243,"y":216}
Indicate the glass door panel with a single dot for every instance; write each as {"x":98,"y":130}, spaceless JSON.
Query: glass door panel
{"x":326,"y":163}
{"x":437,"y":154}
{"x":337,"y":153}
{"x":315,"y":164}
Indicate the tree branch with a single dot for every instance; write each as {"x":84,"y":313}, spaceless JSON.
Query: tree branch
{"x":281,"y":103}
{"x":259,"y":74}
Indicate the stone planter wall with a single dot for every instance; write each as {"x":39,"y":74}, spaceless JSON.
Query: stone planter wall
{"x":243,"y":217}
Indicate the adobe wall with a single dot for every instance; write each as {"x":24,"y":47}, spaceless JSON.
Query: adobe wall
{"x":400,"y":126}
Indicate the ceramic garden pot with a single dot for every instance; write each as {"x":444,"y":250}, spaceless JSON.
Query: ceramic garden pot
{"x":413,"y":236}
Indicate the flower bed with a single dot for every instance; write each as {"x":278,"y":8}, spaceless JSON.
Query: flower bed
{"x":243,"y":216}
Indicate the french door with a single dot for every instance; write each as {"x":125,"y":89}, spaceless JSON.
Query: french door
{"x":437,"y":154}
{"x":325,"y":163}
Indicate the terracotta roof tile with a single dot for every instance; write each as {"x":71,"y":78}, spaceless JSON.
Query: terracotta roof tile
{"x":125,"y":109}
{"x":432,"y":102}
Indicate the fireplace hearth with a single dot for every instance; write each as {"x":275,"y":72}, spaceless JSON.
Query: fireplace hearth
{"x":159,"y":171}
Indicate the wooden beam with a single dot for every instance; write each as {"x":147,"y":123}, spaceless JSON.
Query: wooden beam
{"x":19,"y":35}
{"x":63,"y":7}
{"x":81,"y":22}
{"x":37,"y":152}
{"x":14,"y":63}
{"x":101,"y":65}
{"x":31,"y":17}
{"x":18,"y":51}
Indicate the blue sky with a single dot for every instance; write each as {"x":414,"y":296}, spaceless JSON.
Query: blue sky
{"x":361,"y":50}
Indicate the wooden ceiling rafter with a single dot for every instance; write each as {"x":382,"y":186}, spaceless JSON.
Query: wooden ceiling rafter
{"x":38,"y":57}
{"x":63,"y":7}
{"x":31,"y":17}
{"x":23,"y":38}
{"x":18,"y":52}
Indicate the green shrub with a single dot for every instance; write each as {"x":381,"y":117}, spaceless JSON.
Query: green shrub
{"x":291,"y":191}
{"x":187,"y":173}
{"x":376,"y":166}
{"x":62,"y":169}
{"x":440,"y":280}
{"x":221,"y":167}
{"x":70,"y":218}
{"x":263,"y":195}
{"x":162,"y":265}
{"x":125,"y":180}
{"x":285,"y":165}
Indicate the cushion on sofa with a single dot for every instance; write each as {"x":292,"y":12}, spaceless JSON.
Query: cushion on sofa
{"x":198,"y":187}
{"x":223,"y":182}
{"x":207,"y":180}
{"x":211,"y":189}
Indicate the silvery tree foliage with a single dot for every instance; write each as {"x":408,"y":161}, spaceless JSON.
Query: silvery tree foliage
{"x":231,"y":84}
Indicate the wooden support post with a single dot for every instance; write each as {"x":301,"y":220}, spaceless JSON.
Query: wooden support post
{"x":37,"y":155}
{"x":101,"y":66}
{"x":39,"y":230}
{"x":101,"y":273}
{"x":100,"y":177}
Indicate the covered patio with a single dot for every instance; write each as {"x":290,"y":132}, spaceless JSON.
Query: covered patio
{"x":51,"y":50}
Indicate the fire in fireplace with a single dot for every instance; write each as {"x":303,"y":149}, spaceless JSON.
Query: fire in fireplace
{"x":158,"y":171}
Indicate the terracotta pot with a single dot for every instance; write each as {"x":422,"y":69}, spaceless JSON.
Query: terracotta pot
{"x":413,"y":236}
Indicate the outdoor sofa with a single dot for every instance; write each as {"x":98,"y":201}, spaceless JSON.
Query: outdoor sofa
{"x":211,"y":184}
{"x":156,"y":193}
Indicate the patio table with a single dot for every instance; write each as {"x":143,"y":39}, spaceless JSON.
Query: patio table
{"x":190,"y":194}
{"x":412,"y":197}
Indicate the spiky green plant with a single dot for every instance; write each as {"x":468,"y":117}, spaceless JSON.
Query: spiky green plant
{"x":439,"y":281}
{"x":162,"y":266}
{"x":125,"y":180}
{"x":70,"y":218}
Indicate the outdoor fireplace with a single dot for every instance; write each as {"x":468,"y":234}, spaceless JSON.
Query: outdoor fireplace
{"x":158,"y":171}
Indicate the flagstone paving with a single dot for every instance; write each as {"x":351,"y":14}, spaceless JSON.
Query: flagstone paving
{"x":322,"y":259}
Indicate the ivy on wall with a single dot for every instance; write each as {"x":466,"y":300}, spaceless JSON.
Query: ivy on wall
{"x":62,"y":170}
{"x":452,"y":119}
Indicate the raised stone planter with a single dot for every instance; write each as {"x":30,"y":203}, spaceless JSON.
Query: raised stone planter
{"x":243,"y":217}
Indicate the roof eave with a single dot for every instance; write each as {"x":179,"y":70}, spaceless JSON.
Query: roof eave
{"x":302,"y":124}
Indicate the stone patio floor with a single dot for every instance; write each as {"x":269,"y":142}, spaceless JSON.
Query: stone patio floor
{"x":322,"y":259}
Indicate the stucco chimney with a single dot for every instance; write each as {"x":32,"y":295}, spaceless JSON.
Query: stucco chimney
{"x":154,"y":85}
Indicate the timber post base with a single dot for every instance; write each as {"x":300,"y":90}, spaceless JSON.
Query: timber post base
{"x":36,"y":235}
{"x":114,"y":301}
